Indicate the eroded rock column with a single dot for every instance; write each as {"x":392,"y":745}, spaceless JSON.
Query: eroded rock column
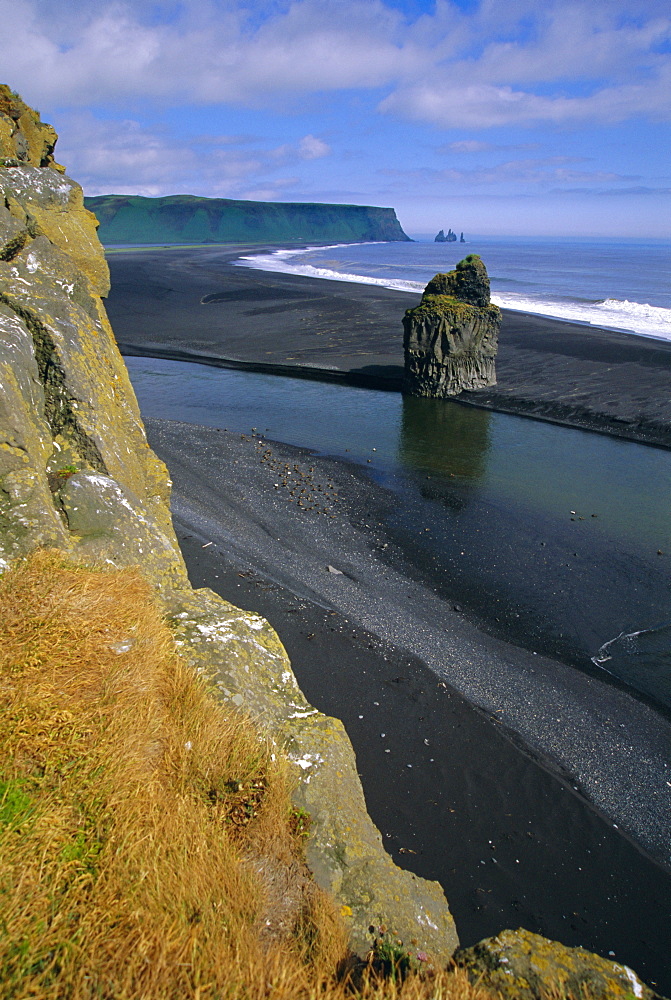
{"x":451,"y":337}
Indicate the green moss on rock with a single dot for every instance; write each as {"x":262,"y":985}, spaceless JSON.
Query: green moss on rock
{"x":451,"y":338}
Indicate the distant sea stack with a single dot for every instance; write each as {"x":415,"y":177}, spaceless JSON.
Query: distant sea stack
{"x":451,"y":337}
{"x":188,"y":219}
{"x":450,"y":238}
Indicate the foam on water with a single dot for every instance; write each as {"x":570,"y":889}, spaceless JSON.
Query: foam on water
{"x":279,"y":261}
{"x":615,"y":314}
{"x":611,"y":314}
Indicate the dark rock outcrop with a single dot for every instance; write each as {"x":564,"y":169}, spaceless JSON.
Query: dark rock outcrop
{"x":451,"y":337}
{"x":188,"y":219}
{"x":442,"y":238}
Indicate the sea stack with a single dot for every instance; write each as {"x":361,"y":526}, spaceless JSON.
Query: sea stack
{"x":451,"y":337}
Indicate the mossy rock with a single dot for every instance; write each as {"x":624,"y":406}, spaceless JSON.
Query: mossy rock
{"x":451,"y":338}
{"x":244,"y":657}
{"x":519,"y":965}
{"x":24,"y":137}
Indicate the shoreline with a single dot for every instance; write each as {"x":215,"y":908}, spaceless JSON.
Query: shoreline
{"x":195,"y":304}
{"x":658,"y":436}
{"x":496,"y":820}
{"x":254,"y":318}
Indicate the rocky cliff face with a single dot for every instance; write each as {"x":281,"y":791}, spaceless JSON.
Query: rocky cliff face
{"x":76,"y":474}
{"x":187,"y":219}
{"x":451,"y":337}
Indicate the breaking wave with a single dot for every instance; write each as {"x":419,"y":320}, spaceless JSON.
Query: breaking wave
{"x":613,"y":314}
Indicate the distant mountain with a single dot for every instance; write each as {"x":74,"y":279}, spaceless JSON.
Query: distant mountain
{"x":188,"y":219}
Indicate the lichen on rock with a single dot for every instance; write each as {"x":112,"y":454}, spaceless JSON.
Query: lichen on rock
{"x":519,"y":965}
{"x":24,"y":138}
{"x":244,"y":658}
{"x":451,"y":338}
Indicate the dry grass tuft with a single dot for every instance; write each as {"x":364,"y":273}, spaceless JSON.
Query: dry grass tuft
{"x":147,"y":844}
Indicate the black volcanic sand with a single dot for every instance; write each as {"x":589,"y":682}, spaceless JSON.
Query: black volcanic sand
{"x":502,"y":825}
{"x":502,"y":821}
{"x":194,"y":304}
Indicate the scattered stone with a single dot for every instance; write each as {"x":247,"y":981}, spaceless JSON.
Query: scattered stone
{"x":337,"y":572}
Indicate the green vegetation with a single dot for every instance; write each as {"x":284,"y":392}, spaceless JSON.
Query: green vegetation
{"x":187,"y":219}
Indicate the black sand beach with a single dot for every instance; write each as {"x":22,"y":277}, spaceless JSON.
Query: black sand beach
{"x":502,"y":823}
{"x":193,"y":304}
{"x":492,"y":801}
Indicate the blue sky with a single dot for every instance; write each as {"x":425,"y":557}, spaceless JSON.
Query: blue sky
{"x":489,"y":116}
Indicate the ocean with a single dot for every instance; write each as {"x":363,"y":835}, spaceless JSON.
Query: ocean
{"x":616,"y":284}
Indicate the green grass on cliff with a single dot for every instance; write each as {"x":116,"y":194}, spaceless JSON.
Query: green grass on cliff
{"x":148,"y":848}
{"x":188,"y":219}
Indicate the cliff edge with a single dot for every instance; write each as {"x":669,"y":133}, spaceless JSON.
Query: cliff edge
{"x":183,"y":218}
{"x":77,"y":474}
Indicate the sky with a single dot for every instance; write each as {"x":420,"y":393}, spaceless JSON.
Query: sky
{"x":520,"y":117}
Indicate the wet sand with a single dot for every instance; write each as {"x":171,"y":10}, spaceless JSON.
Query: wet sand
{"x":494,"y":801}
{"x":194,"y":304}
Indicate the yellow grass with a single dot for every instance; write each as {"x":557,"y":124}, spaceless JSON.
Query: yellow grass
{"x":147,"y":843}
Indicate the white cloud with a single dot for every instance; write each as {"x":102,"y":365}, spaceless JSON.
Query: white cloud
{"x":489,"y":106}
{"x":308,"y":148}
{"x":563,"y":63}
{"x":505,"y":63}
{"x":468,"y":146}
{"x":125,"y":157}
{"x":543,"y":173}
{"x":312,"y":148}
{"x":208,"y":52}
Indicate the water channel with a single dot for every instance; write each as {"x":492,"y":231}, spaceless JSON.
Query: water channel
{"x":556,"y":539}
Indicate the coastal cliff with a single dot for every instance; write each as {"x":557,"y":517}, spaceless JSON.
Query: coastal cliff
{"x":188,"y":219}
{"x":77,"y":476}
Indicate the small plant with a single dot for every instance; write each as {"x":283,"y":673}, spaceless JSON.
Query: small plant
{"x":15,"y":805}
{"x":300,"y":821}
{"x":67,"y":471}
{"x":389,"y":957}
{"x":60,"y":476}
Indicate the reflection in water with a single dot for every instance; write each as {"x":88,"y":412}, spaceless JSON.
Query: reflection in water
{"x":544,"y":532}
{"x":441,"y":436}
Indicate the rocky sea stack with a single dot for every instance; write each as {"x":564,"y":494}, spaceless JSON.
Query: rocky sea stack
{"x":451,"y":337}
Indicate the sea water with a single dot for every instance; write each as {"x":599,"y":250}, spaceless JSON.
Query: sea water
{"x":549,"y":535}
{"x":616,"y":284}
